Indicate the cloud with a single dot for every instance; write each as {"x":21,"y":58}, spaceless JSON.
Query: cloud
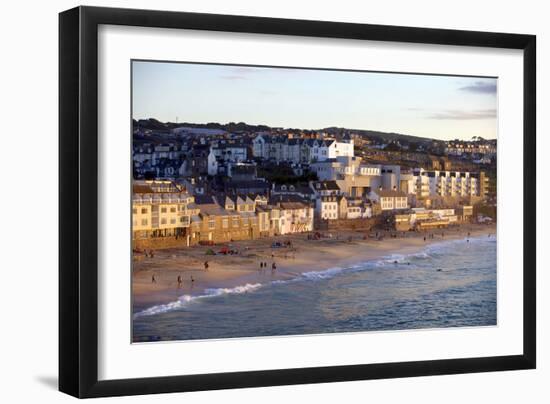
{"x":462,"y":115}
{"x":480,"y":87}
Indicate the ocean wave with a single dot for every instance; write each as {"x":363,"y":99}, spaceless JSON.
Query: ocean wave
{"x":186,"y":299}
{"x":326,"y":274}
{"x":431,"y":251}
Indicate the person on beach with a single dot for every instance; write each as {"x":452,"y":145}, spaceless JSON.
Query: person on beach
{"x":424,"y":238}
{"x":273,"y":268}
{"x":153,"y":280}
{"x":151,"y":254}
{"x":180,"y":282}
{"x":192,"y":281}
{"x":206,"y":266}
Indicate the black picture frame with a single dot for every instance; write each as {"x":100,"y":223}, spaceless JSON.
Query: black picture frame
{"x":78,"y":196}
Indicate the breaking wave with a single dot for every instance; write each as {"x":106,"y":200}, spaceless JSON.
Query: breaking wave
{"x":186,"y":299}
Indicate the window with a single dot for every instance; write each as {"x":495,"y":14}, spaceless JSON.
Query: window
{"x":163,"y":220}
{"x":225,"y":223}
{"x":163,"y":210}
{"x":173,"y":220}
{"x":144,"y":222}
{"x":245,"y":221}
{"x":143,"y":211}
{"x":211,"y":224}
{"x":173,"y":209}
{"x":235,"y":222}
{"x":134,"y":211}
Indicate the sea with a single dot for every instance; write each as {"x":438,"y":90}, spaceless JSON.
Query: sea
{"x":451,"y":283}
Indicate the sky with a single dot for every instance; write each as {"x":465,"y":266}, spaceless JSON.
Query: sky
{"x":439,"y":107}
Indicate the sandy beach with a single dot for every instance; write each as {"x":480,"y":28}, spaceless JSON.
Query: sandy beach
{"x":227,"y":271}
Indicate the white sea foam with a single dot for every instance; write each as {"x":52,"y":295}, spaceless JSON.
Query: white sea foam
{"x":326,"y":274}
{"x":186,"y":299}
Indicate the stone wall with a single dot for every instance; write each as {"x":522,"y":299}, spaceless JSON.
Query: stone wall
{"x":346,"y":224}
{"x":159,"y":243}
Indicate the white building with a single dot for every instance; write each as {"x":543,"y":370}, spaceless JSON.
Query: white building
{"x":296,"y":150}
{"x":338,"y":168}
{"x":390,"y":176}
{"x":234,"y":153}
{"x":357,"y":208}
{"x":446,"y":183}
{"x":326,"y":207}
{"x":331,"y":149}
{"x":295,"y":217}
{"x":390,"y":199}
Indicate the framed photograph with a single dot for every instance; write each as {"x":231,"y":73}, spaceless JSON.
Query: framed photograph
{"x":250,"y":201}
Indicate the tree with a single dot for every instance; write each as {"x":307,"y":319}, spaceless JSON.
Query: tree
{"x":392,"y":147}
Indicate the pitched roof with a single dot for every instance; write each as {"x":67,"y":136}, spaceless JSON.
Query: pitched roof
{"x":287,"y":198}
{"x":214,"y":210}
{"x":204,"y":200}
{"x":389,"y":193}
{"x":292,"y":205}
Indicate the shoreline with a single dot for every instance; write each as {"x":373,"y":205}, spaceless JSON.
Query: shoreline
{"x":230,"y":271}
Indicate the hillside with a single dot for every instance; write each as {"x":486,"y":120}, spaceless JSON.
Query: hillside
{"x":382,"y":137}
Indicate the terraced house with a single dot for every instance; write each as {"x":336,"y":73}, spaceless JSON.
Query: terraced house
{"x":218,"y":223}
{"x":160,"y":209}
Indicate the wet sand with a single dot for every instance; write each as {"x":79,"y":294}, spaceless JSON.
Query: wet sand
{"x":227,"y":271}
